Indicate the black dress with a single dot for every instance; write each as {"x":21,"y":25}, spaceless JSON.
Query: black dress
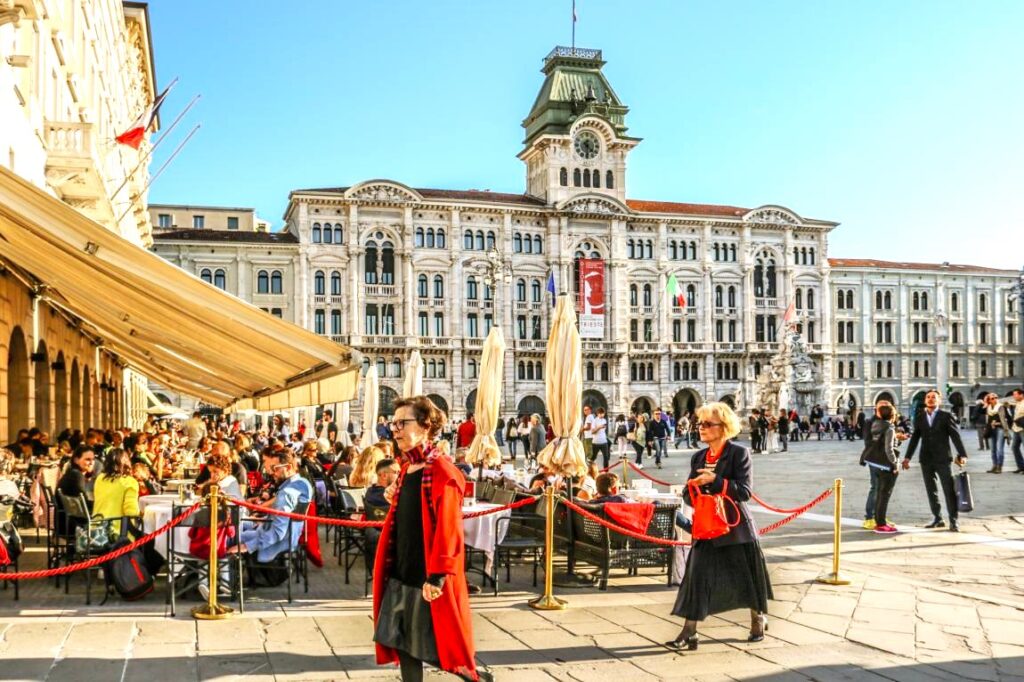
{"x":404,"y":621}
{"x":728,"y":572}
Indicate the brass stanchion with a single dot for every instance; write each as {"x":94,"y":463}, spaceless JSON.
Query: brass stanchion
{"x":625,"y":473}
{"x":212,"y":610}
{"x":548,"y":601}
{"x":834,"y":578}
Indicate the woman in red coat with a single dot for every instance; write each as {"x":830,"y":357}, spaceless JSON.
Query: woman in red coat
{"x":420,"y":598}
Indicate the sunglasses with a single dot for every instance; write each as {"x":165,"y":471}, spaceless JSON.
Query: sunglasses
{"x":707,"y":425}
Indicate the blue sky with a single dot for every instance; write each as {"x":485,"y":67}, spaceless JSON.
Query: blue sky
{"x":900,"y":120}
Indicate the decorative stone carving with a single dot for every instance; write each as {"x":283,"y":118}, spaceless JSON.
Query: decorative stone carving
{"x":771,"y":216}
{"x":388,"y":193}
{"x":593,"y":205}
{"x":792,"y":379}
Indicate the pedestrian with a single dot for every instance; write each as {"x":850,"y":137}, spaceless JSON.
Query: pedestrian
{"x":882,"y":458}
{"x":996,"y":426}
{"x":621,"y":435}
{"x":682,"y":431}
{"x":599,"y":429}
{"x":420,"y":596}
{"x":640,"y":439}
{"x":538,"y":438}
{"x":499,"y":433}
{"x":524,"y":436}
{"x":1017,"y":425}
{"x":755,"y":430}
{"x":659,"y":431}
{"x":512,"y":436}
{"x":783,"y":429}
{"x":727,"y":572}
{"x":979,"y":425}
{"x":934,"y":429}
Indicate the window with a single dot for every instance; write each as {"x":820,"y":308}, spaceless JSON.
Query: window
{"x":336,"y":283}
{"x":609,"y":180}
{"x":232,"y":222}
{"x":839,"y":370}
{"x":439,"y":325}
{"x":677,"y":331}
{"x":478,"y":241}
{"x":315,"y":238}
{"x":164,"y":220}
{"x":590,"y":371}
{"x":396,"y":367}
{"x":596,"y":176}
{"x":633,"y":333}
{"x":691,"y":296}
{"x":198,"y":222}
{"x":799,"y":299}
{"x":982,"y":303}
{"x":691,"y":331}
{"x":319,"y":322}
{"x":634,"y":295}
{"x":535,"y":291}
{"x":576,"y":179}
{"x":467,"y":240}
{"x":719,"y":331}
{"x":954,"y":302}
{"x":984,"y":368}
{"x":276,"y":312}
{"x":471,"y":289}
{"x":220,"y":279}
{"x":276,"y":282}
{"x":878,"y":300}
{"x":527,"y":243}
{"x":955,"y":332}
{"x":956,"y":368}
{"x":840,"y":301}
{"x":521,"y":290}
{"x":370,"y":263}
{"x":1011,"y":369}
{"x":472,"y":372}
{"x":419,"y":239}
{"x":849,"y":300}
{"x":1011,"y":336}
{"x":983,"y":334}
{"x":732,"y":330}
{"x":878,"y":369}
{"x":647,"y":295}
{"x":924,"y":302}
{"x":810,"y":299}
{"x":888,"y":300}
{"x":382,"y":367}
{"x":438,"y":286}
{"x":563,"y":177}
{"x":720,"y":296}
{"x":262,"y":282}
{"x":335,"y":322}
{"x":423,"y":323}
{"x":422,"y":288}
{"x":206,"y":275}
{"x":371,"y":320}
{"x":319,"y":283}
{"x":490,"y":241}
{"x":917,"y":301}
{"x":732,"y":297}
{"x":517,"y":243}
{"x":850,"y":372}
{"x":538,"y":244}
{"x":473,"y":325}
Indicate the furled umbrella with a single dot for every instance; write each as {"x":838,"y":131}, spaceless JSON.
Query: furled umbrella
{"x":484,"y":450}
{"x":564,"y":384}
{"x":413,"y":384}
{"x":371,"y":401}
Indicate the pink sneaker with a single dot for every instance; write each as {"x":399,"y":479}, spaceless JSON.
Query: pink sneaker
{"x":886,"y":529}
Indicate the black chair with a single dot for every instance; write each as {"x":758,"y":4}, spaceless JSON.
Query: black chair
{"x":77,"y":515}
{"x":370,"y":539}
{"x":503,"y":496}
{"x":185,"y":571}
{"x":485,"y":491}
{"x":523,"y":537}
{"x":12,"y":539}
{"x":294,"y":559}
{"x":349,"y":543}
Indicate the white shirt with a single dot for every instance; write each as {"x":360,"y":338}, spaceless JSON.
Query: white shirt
{"x":588,"y":423}
{"x":600,"y":437}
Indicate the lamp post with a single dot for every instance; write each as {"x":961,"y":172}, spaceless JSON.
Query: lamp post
{"x":494,"y":271}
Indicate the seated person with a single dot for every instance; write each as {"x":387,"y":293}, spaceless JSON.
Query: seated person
{"x":608,"y":489}
{"x":147,"y":485}
{"x":235,"y":467}
{"x":387,"y":474}
{"x":343,"y":468}
{"x":542,"y":478}
{"x":116,"y":491}
{"x":218,"y":468}
{"x":73,"y":483}
{"x":265,"y":540}
{"x":460,"y":462}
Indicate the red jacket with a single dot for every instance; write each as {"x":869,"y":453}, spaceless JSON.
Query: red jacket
{"x":467,"y":430}
{"x":445,"y":547}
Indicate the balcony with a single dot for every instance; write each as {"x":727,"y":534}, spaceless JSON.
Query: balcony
{"x":72,"y":168}
{"x":729,"y":347}
{"x":385,"y":341}
{"x":472,"y":344}
{"x":476,"y":304}
{"x":531,"y":344}
{"x":598,"y":346}
{"x":724,"y":311}
{"x":766,"y":303}
{"x":685,"y":347}
{"x":645,"y":347}
{"x":435,"y":342}
{"x":319,"y":299}
{"x":763,"y":347}
{"x":380,"y":290}
{"x":641,"y":310}
{"x":338,"y":338}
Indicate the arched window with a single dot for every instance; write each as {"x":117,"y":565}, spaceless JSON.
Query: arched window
{"x":586,"y":179}
{"x":471,"y":288}
{"x":479,"y":241}
{"x":527,"y":244}
{"x":440,"y":369}
{"x":717,"y":258}
{"x":810,"y":299}
{"x":521,"y":290}
{"x":319,"y":283}
{"x":840,"y":300}
{"x":540,"y":371}
{"x":538,"y":244}
{"x":878,"y":300}
{"x":719,"y":296}
{"x":276,"y":282}
{"x":563,"y":177}
{"x":262,"y":282}
{"x":337,"y":234}
{"x":796,"y":255}
{"x":438,"y":286}
{"x":396,"y":367}
{"x":691,"y":296}
{"x":316,"y":233}
{"x":336,"y":283}
{"x":982,"y":303}
{"x":420,"y":241}
{"x":467,"y":240}
{"x":849,"y":299}
{"x":596,"y":177}
{"x":206,"y":275}
{"x":535,"y":291}
{"x":732,"y":252}
{"x":576,"y":178}
{"x":604,"y":371}
{"x":840,"y":372}
{"x":441,"y":239}
{"x":672,"y":249}
{"x":382,"y":367}
{"x":812,"y":256}
{"x":490,"y":240}
{"x":609,"y":180}
{"x":431,"y":367}
{"x":634,"y":295}
{"x":954,"y":302}
{"x":421,"y":286}
{"x":370,"y":263}
{"x":522,"y":370}
{"x":328,"y":237}
{"x":888,"y":300}
{"x":799,"y":299}
{"x":732,"y":297}
{"x":590,"y":371}
{"x":387,"y":271}
{"x":630,"y":252}
{"x":649,"y":249}
{"x":647,"y":295}
{"x":517,"y":243}
{"x":917,"y":301}
{"x":888,"y":369}
{"x":220,"y":279}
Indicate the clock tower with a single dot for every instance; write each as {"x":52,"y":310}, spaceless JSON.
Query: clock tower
{"x":576,"y":138}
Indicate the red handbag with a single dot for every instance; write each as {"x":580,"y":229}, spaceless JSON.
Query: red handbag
{"x":710,"y":519}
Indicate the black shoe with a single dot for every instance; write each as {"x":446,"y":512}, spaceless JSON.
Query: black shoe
{"x":474,"y":589}
{"x":758,"y":626}
{"x":954,"y":527}
{"x":937,"y":523}
{"x":1019,"y":471}
{"x":679,"y":642}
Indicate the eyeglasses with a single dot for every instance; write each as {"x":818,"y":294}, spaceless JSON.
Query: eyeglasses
{"x":399,"y":424}
{"x":707,"y":425}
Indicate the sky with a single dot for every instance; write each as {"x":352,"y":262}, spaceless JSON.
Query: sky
{"x":903,"y":121}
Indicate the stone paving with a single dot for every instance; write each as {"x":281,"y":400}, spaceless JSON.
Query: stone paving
{"x":922,"y":605}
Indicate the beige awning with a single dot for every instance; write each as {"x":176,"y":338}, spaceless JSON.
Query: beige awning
{"x":164,"y":322}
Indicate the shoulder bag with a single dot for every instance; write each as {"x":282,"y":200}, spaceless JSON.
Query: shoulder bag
{"x":710,"y":519}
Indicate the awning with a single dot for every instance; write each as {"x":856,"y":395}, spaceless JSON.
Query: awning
{"x":162,"y":321}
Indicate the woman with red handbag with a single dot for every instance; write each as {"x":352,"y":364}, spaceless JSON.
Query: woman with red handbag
{"x":726,"y":568}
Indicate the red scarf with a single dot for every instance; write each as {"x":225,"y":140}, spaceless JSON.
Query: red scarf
{"x":422,"y":454}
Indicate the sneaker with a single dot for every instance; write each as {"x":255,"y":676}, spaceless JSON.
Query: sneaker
{"x":886,"y":529}
{"x":204,"y":590}
{"x":639,"y":466}
{"x":869,"y":524}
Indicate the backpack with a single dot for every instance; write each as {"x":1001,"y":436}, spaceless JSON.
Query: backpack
{"x":128,"y":574}
{"x":621,"y":431}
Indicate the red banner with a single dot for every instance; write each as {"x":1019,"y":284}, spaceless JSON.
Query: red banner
{"x":591,"y":299}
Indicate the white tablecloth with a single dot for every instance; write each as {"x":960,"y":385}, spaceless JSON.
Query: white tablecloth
{"x":147,"y":500}
{"x":156,"y":514}
{"x":481,"y":532}
{"x":9,"y":487}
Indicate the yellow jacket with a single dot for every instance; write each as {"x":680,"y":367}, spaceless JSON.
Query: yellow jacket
{"x":115,"y":497}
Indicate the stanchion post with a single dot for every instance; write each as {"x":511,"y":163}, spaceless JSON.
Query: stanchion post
{"x":834,"y":578}
{"x":548,"y":601}
{"x":625,"y":473}
{"x":212,"y":610}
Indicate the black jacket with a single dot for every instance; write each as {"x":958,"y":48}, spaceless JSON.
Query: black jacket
{"x":935,"y":439}
{"x":881,"y":445}
{"x":659,"y":428}
{"x":732,"y":472}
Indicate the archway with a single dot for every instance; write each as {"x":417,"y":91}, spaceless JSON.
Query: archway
{"x":41,"y":370}
{"x":60,"y":394}
{"x":75,"y":420}
{"x":471,"y":402}
{"x":388,"y":396}
{"x":439,"y":402}
{"x":885,"y":395}
{"x":956,"y":402}
{"x":594,"y":399}
{"x":531,"y":404}
{"x":729,"y":400}
{"x":642,"y":406}
{"x":17,"y":384}
{"x":685,"y":402}
{"x":916,"y":403}
{"x":87,"y":386}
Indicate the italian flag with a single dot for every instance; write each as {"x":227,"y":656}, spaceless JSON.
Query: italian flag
{"x":675,"y":292}
{"x":137,"y":131}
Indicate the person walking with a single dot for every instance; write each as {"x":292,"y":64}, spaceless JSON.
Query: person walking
{"x":996,"y":426}
{"x":524,"y":436}
{"x":621,"y":435}
{"x":640,"y":439}
{"x":979,"y":424}
{"x":538,"y":438}
{"x":660,"y":431}
{"x":934,"y":429}
{"x":512,"y":436}
{"x":782,"y":427}
{"x":682,"y":431}
{"x":881,"y":456}
{"x":599,"y":429}
{"x":727,"y":572}
{"x":755,"y":430}
{"x":1017,"y":425}
{"x":587,"y":433}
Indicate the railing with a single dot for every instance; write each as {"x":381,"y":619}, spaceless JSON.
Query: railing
{"x":472,"y":343}
{"x":473,"y":303}
{"x":645,"y":347}
{"x":380,"y":289}
{"x":522,"y":305}
{"x":762,"y":346}
{"x":384,"y":341}
{"x":729,"y":347}
{"x":578,"y":52}
{"x":725,"y":311}
{"x":435,"y":342}
{"x":766,"y":302}
{"x":337,"y":299}
{"x":641,"y":310}
{"x":680,"y":310}
{"x":319,"y":298}
{"x":338,"y":338}
{"x":599,"y":346}
{"x":690,"y":347}
{"x":68,"y":138}
{"x":531,"y":344}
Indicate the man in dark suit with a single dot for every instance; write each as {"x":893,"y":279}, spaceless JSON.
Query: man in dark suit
{"x":934,"y":429}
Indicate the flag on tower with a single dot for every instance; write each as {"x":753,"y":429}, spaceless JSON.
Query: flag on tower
{"x":137,"y":131}
{"x":675,"y":292}
{"x":551,"y":288}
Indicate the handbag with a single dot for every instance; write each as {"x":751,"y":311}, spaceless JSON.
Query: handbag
{"x":964,"y":497}
{"x":94,"y":537}
{"x":710,"y":519}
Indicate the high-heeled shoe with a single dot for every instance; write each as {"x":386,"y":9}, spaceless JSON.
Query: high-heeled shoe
{"x":687,"y":637}
{"x":758,"y":626}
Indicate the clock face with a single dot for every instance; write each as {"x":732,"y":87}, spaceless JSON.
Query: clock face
{"x":587,"y":145}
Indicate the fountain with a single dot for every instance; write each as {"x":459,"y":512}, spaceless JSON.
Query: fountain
{"x":791,"y":380}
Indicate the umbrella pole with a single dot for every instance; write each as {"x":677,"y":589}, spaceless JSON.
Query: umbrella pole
{"x":570,"y":578}
{"x":548,"y":601}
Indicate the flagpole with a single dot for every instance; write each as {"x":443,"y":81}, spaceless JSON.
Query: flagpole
{"x":161,"y":170}
{"x":156,"y":144}
{"x":574,"y":26}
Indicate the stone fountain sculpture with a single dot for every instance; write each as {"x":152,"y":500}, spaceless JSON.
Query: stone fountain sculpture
{"x":792,"y":380}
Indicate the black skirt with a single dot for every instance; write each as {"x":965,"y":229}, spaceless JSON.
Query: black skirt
{"x":404,"y":622}
{"x":720,"y":579}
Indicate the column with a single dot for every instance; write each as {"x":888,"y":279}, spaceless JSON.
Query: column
{"x":354,"y":298}
{"x":408,"y":283}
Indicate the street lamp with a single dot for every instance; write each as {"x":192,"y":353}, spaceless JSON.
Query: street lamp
{"x":493,"y":271}
{"x":1017,"y":295}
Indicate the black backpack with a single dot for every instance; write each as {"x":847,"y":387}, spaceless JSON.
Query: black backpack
{"x":621,"y":431}
{"x":128,"y":574}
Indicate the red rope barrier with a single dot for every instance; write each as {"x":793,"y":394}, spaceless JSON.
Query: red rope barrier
{"x":803,"y":510}
{"x":514,"y":505}
{"x":620,"y":530}
{"x":109,"y":556}
{"x":778,"y":510}
{"x":646,"y":475}
{"x":612,"y":466}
